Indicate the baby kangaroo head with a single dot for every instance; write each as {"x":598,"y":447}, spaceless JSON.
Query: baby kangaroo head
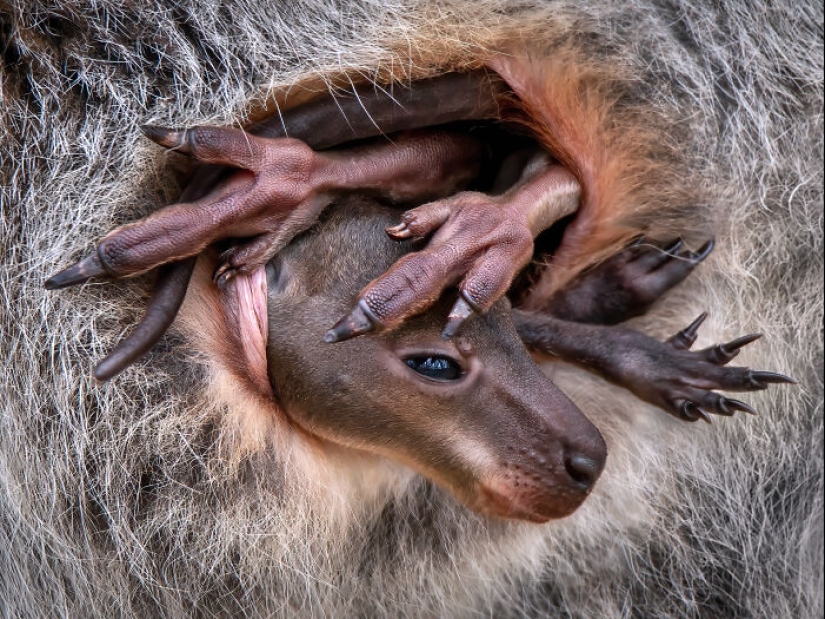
{"x":472,"y":413}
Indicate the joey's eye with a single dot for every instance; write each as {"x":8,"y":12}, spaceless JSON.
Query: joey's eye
{"x":435,"y":367}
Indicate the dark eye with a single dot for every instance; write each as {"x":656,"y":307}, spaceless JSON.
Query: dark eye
{"x":435,"y":367}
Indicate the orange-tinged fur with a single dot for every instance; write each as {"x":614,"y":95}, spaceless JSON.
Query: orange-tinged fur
{"x":573,"y":108}
{"x":164,"y":493}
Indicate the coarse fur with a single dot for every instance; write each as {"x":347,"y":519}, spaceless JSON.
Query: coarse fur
{"x":161,"y":494}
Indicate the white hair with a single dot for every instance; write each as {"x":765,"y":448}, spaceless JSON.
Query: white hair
{"x":142,"y":497}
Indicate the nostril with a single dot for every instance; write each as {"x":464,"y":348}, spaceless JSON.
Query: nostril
{"x":582,"y":469}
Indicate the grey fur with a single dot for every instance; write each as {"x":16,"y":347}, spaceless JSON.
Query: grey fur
{"x":135,"y":499}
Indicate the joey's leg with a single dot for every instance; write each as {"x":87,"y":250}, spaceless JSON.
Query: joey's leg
{"x":367,"y":112}
{"x":324,"y":123}
{"x":282,"y":185}
{"x":626,"y":284}
{"x":479,"y":243}
{"x":666,"y":374}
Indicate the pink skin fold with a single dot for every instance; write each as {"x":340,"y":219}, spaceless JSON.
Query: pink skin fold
{"x":245,"y":296}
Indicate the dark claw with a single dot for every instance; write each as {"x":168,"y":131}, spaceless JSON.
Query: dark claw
{"x":733,"y":346}
{"x":702,"y":253}
{"x":738,"y":406}
{"x":763,"y":379}
{"x":460,"y":312}
{"x":724,"y":353}
{"x":360,"y":320}
{"x":687,"y":336}
{"x":77,"y":274}
{"x":704,"y":416}
{"x":691,"y":412}
{"x":674,"y":246}
{"x":168,"y":138}
{"x":722,"y":407}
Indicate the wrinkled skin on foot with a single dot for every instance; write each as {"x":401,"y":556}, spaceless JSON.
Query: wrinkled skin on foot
{"x":321,"y":124}
{"x":280,"y":188}
{"x":279,"y":191}
{"x":479,"y":243}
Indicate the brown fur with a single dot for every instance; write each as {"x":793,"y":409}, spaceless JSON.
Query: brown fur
{"x":172,"y":493}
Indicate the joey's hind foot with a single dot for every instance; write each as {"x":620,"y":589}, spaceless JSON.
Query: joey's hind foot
{"x":279,"y":189}
{"x":626,"y":284}
{"x":219,"y":203}
{"x":667,"y":374}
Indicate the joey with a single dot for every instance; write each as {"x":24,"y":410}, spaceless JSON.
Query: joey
{"x":474,"y":413}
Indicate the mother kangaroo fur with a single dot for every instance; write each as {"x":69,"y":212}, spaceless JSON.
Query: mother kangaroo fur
{"x":160,"y":494}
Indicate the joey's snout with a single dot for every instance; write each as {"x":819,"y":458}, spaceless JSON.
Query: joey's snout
{"x":549,"y":460}
{"x":545,"y":480}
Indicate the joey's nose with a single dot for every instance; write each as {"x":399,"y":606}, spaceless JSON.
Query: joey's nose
{"x":584,"y":470}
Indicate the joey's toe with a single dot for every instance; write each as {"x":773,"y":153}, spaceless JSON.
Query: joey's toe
{"x":164,"y":136}
{"x":77,"y":273}
{"x":359,"y":321}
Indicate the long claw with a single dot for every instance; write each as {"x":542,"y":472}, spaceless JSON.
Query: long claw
{"x":763,"y":378}
{"x":691,"y":412}
{"x":738,"y":405}
{"x":704,"y":416}
{"x":360,"y":320}
{"x":724,"y":353}
{"x":460,"y":312}
{"x":703,"y":252}
{"x":733,"y":346}
{"x":693,"y":328}
{"x":78,"y":273}
{"x":685,"y":338}
{"x":168,"y":138}
{"x":674,"y":246}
